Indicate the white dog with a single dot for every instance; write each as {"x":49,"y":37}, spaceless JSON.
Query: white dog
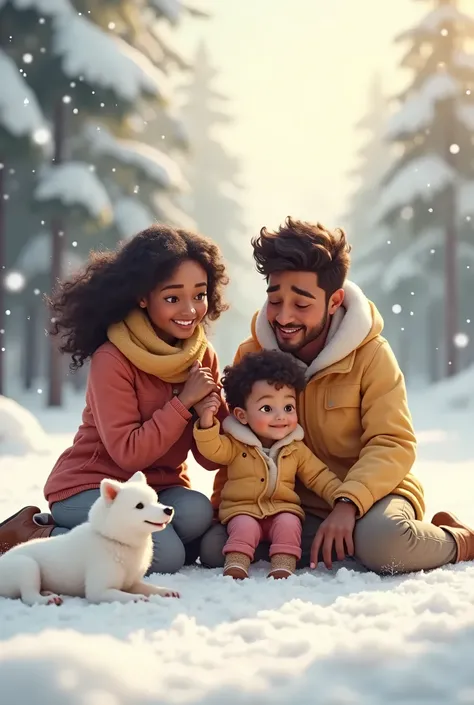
{"x":103,"y":560}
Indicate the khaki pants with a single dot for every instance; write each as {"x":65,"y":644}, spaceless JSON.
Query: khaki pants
{"x":388,"y":540}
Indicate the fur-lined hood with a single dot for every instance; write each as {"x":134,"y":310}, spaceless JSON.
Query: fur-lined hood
{"x":245,"y":435}
{"x":355,"y":323}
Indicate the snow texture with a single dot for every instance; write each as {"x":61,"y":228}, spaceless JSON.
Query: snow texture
{"x":413,"y":261}
{"x":102,"y":59}
{"x":421,"y":178}
{"x":36,"y":255}
{"x":170,"y":213}
{"x":463,"y":60}
{"x":171,"y":9}
{"x":131,"y":216}
{"x":74,"y":184}
{"x":466,"y":115}
{"x":417,"y":112}
{"x":105,"y":60}
{"x":156,"y":165}
{"x":20,"y":431}
{"x":20,"y":113}
{"x":343,"y":637}
{"x":439,"y":18}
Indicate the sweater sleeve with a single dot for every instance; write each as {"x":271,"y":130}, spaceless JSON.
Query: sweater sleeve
{"x":388,"y":439}
{"x":316,"y":476}
{"x":132,"y":444}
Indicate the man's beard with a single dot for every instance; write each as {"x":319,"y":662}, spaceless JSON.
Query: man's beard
{"x":308,"y":338}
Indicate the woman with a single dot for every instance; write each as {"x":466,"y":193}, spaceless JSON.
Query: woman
{"x":139,"y":315}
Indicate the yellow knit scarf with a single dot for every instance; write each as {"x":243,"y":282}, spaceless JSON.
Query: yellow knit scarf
{"x":137,"y":340}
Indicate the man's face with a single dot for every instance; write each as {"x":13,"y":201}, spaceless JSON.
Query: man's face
{"x":297,"y":308}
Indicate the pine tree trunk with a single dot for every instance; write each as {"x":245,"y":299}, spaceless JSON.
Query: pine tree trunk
{"x":2,"y":274}
{"x":31,"y":352}
{"x":55,"y":360}
{"x":451,"y":287}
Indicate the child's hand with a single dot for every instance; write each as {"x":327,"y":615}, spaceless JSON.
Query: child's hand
{"x":207,"y":408}
{"x":198,"y":386}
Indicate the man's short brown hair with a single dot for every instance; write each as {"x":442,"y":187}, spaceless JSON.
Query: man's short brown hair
{"x":299,"y":246}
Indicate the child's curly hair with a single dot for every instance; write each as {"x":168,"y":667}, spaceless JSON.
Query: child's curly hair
{"x":273,"y":366}
{"x":112,"y":283}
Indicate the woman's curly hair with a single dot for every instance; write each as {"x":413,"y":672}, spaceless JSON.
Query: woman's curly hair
{"x":113,"y":282}
{"x":273,"y":366}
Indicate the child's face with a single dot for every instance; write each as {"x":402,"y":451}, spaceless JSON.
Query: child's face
{"x":178,"y":304}
{"x":269,"y":412}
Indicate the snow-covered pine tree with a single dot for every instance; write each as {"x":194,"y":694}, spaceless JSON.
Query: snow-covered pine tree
{"x":214,"y":197}
{"x":373,"y":159}
{"x":81,"y":71}
{"x":426,"y":198}
{"x":22,"y":130}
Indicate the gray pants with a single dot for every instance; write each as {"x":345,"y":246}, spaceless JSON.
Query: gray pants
{"x":177,"y":545}
{"x":387,"y":540}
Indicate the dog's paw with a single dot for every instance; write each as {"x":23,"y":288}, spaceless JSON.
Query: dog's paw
{"x":141,"y":598}
{"x":170,"y":593}
{"x":51,"y":598}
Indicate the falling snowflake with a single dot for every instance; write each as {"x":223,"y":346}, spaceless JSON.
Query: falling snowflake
{"x":41,"y":136}
{"x":454,"y":149}
{"x":14,"y":281}
{"x":396,"y":308}
{"x":461,"y":340}
{"x":27,"y":58}
{"x":67,"y":98}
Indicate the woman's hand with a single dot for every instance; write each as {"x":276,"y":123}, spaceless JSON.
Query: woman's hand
{"x":200,"y":384}
{"x":337,"y":530}
{"x":207,"y":408}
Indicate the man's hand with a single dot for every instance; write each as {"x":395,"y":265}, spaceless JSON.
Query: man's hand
{"x":207,"y":408}
{"x":337,"y":530}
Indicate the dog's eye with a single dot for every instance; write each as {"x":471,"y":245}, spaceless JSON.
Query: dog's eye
{"x":140,"y":505}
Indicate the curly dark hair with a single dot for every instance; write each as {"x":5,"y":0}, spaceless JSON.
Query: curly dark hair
{"x":304,"y":247}
{"x":112,"y":283}
{"x":273,"y":366}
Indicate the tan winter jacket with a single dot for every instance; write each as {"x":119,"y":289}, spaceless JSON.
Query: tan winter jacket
{"x":354,"y":409}
{"x":258,"y":485}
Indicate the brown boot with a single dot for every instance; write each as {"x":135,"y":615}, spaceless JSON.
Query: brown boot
{"x":21,"y":527}
{"x":461,"y":533}
{"x":282,"y":566}
{"x":237,"y":565}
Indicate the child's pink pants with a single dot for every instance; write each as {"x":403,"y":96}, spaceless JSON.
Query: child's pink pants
{"x":282,"y":530}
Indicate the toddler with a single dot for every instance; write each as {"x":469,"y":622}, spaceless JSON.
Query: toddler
{"x":262,"y":447}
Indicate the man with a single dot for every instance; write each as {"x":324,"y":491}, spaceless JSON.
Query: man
{"x":353,"y":410}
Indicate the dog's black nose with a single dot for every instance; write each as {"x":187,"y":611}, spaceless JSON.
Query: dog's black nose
{"x":168,"y":510}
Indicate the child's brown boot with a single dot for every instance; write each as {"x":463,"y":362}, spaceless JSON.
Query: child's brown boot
{"x":282,"y":566}
{"x":237,"y":565}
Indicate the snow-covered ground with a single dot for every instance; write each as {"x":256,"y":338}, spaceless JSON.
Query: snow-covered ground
{"x":339,"y":638}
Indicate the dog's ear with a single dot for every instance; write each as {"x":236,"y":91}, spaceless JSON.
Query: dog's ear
{"x":137,"y":477}
{"x":109,"y":490}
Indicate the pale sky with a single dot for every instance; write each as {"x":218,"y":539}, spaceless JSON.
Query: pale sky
{"x":297,"y":73}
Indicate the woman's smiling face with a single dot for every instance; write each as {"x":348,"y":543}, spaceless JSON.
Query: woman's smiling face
{"x":178,"y":304}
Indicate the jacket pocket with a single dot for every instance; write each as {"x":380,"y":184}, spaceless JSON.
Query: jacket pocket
{"x":342,"y":429}
{"x":340,"y":396}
